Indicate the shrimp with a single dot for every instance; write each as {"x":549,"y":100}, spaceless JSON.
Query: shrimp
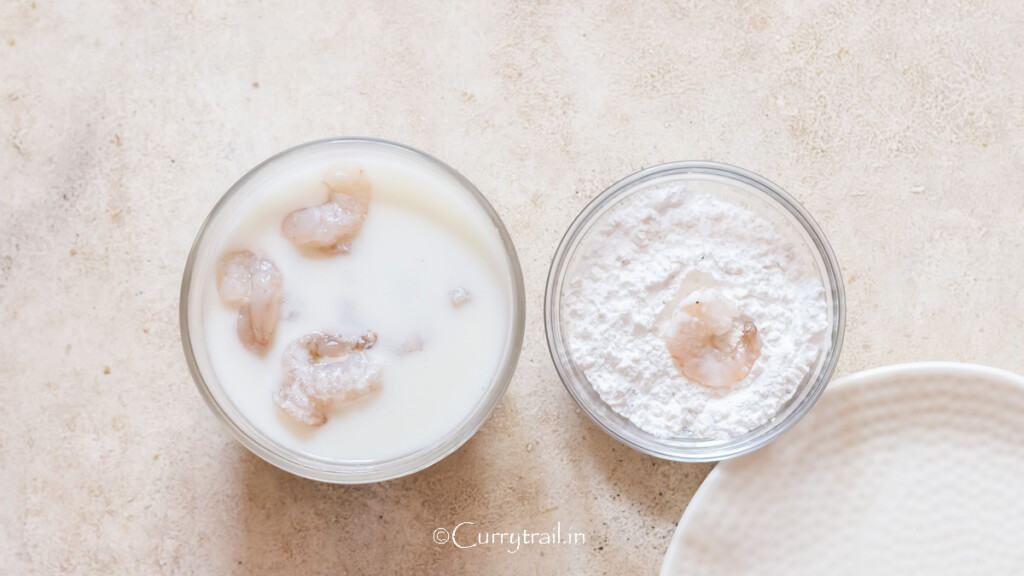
{"x":254,"y":285}
{"x":330,"y":227}
{"x":322,"y":368}
{"x":711,"y":341}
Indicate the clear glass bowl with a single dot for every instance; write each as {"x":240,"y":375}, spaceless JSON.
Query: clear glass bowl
{"x":304,"y":464}
{"x":687,"y":449}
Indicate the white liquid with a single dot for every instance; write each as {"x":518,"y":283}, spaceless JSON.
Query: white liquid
{"x":423,"y":238}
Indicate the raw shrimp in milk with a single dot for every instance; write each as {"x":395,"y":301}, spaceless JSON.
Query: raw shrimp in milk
{"x":254,"y":285}
{"x":323,"y":368}
{"x":370,"y":308}
{"x":331,"y":226}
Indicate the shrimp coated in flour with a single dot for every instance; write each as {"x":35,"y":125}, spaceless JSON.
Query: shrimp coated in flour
{"x":711,"y":341}
{"x":330,"y":227}
{"x":253,"y":284}
{"x":320,"y":369}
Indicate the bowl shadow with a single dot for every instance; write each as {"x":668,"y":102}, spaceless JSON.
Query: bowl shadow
{"x":290,"y":525}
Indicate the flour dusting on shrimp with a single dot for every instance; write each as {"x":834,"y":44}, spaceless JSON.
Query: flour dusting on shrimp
{"x":691,"y":314}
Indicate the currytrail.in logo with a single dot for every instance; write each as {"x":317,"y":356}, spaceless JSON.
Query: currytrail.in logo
{"x":466,"y":535}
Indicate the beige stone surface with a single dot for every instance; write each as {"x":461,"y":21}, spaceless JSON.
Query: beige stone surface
{"x":901,"y":129}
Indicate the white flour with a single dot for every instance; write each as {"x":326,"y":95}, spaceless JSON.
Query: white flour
{"x":633,"y":263}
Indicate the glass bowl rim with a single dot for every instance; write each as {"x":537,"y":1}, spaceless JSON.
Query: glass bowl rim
{"x":324,"y":470}
{"x":558,"y":349}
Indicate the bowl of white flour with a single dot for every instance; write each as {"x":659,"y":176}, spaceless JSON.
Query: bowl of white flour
{"x":695,"y":311}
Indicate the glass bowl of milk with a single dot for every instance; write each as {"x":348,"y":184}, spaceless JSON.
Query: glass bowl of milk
{"x":695,"y":311}
{"x":352,"y":309}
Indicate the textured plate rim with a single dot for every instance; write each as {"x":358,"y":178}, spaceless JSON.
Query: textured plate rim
{"x":871,"y":375}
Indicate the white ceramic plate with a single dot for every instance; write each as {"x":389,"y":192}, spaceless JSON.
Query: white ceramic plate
{"x":911,"y":469}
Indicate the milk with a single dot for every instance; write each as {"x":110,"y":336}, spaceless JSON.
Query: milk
{"x":424,"y":237}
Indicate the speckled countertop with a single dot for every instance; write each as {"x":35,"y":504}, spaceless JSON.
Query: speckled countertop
{"x":901,"y":129}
